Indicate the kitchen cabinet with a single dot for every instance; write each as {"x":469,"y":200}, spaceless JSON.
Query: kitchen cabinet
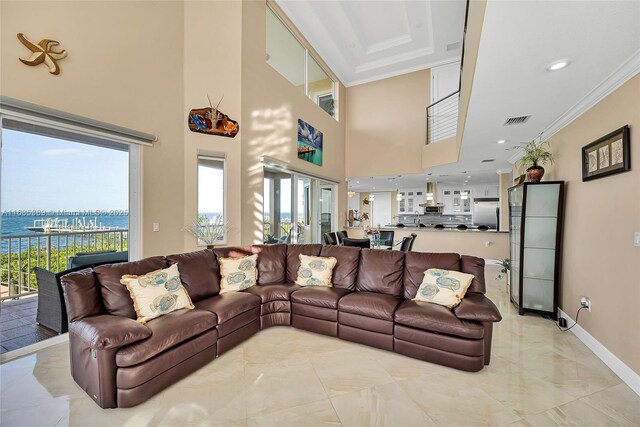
{"x":535,"y":230}
{"x":455,"y":202}
{"x":486,"y":191}
{"x":410,"y":201}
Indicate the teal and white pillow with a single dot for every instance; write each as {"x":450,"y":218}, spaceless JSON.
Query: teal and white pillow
{"x":238,"y":274}
{"x":315,"y":270}
{"x":157,"y":293}
{"x":444,"y":287}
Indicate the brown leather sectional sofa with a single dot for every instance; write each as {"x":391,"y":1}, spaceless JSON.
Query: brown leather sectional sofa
{"x":121,"y":363}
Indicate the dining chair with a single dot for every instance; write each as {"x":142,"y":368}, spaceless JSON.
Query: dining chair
{"x":407,"y":242}
{"x":386,"y":237}
{"x":360,"y":243}
{"x":341,"y":236}
{"x":330,"y":238}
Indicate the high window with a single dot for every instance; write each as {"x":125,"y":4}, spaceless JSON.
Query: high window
{"x":211,"y":195}
{"x":287,"y":55}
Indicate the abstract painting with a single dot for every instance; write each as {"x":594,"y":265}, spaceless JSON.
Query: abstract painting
{"x":309,"y":143}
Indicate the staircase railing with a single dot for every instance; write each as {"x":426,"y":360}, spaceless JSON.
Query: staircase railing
{"x":442,"y":118}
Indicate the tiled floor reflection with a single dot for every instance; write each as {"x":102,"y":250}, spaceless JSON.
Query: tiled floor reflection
{"x":539,"y":376}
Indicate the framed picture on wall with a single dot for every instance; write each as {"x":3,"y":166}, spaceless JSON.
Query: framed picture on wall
{"x":309,"y":143}
{"x":607,"y":156}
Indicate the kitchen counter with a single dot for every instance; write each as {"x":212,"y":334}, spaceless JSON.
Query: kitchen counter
{"x":489,"y":244}
{"x":432,"y":228}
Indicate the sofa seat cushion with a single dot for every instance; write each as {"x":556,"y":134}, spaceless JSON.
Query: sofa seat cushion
{"x":166,"y":332}
{"x":228,"y":306}
{"x":319,"y":296}
{"x":274,"y":291}
{"x":370,"y":304}
{"x":436,"y":318}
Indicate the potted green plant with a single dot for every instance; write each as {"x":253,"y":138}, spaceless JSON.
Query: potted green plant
{"x":534,"y":157}
{"x":506,"y":269}
{"x":207,"y":231}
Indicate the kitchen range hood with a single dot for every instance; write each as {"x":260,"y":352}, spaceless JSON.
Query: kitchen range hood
{"x":432,"y":196}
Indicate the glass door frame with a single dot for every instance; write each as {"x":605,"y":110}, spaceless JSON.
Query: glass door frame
{"x":134,"y":234}
{"x":316,"y":184}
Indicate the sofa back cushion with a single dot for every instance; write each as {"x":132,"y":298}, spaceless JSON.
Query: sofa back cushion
{"x":345,"y":272}
{"x":474,"y":265}
{"x":272,"y":263}
{"x":81,"y":294}
{"x":416,"y":263}
{"x":380,"y":271}
{"x":115,"y":296}
{"x":199,"y":272}
{"x":233,"y":251}
{"x":293,"y":258}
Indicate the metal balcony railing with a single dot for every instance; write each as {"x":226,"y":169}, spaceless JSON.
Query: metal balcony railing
{"x":21,"y":253}
{"x":442,"y":118}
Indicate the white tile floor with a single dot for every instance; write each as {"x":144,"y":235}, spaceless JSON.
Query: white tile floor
{"x":538,"y":376}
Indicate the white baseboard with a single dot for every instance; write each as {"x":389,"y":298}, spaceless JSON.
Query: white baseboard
{"x":628,"y":375}
{"x":14,"y":354}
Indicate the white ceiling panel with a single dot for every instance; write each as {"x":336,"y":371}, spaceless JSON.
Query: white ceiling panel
{"x":364,"y":41}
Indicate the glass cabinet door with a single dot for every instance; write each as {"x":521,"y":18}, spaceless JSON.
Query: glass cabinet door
{"x":538,"y":268}
{"x":515,"y":215}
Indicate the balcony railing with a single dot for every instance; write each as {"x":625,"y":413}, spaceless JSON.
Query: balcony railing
{"x":442,"y":118}
{"x":21,"y":253}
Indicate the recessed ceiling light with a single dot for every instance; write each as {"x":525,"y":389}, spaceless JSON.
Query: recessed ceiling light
{"x":558,"y":65}
{"x":502,"y":141}
{"x":468,"y":176}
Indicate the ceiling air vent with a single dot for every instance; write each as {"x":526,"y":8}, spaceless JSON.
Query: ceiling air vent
{"x":516,"y":120}
{"x":488,"y":160}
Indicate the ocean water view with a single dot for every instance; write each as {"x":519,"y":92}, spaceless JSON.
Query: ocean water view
{"x":15,"y":223}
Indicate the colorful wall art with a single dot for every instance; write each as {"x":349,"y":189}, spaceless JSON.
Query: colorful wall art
{"x":212,"y":121}
{"x":309,"y":143}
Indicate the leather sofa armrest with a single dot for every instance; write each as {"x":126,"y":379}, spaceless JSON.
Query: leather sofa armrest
{"x":108,"y":332}
{"x":477,"y":307}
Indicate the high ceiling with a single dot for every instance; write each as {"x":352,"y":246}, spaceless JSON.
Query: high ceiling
{"x":519,"y":40}
{"x":363,"y":41}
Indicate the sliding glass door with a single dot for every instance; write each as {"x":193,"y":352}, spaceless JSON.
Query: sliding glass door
{"x":297,"y":208}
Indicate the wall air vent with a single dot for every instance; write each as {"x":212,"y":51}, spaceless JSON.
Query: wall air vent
{"x":516,"y":120}
{"x":488,"y":160}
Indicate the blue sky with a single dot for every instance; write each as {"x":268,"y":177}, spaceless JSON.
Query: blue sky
{"x":46,"y":173}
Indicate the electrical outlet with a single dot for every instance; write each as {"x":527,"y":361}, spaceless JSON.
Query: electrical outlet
{"x":156,"y":226}
{"x":586,"y":302}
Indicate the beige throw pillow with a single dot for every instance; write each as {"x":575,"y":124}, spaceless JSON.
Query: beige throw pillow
{"x":238,"y":274}
{"x":444,"y":287}
{"x":157,"y":293}
{"x":315,"y":270}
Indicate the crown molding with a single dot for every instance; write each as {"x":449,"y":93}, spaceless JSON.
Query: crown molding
{"x":617,"y":78}
{"x":625,"y":72}
{"x":401,"y":72}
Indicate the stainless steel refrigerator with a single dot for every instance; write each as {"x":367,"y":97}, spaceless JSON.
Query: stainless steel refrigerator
{"x":486,"y":211}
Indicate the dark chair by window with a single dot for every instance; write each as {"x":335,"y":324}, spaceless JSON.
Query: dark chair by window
{"x":330,"y":238}
{"x":407,"y":243}
{"x":386,"y":237}
{"x":341,"y":236}
{"x":360,"y":243}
